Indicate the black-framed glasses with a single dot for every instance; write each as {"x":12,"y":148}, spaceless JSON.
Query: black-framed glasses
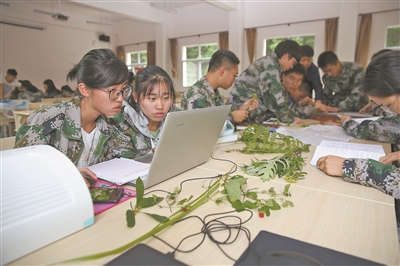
{"x":114,"y":94}
{"x":388,"y":109}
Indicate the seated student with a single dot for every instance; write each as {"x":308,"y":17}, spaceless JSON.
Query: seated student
{"x":66,"y":91}
{"x":30,"y":92}
{"x":140,"y":121}
{"x":78,"y":127}
{"x":382,"y":84}
{"x":14,"y":94}
{"x":50,"y":90}
{"x":371,"y":107}
{"x":222,"y":71}
{"x":302,"y":107}
{"x":263,"y":78}
{"x":341,"y":83}
{"x":8,"y":83}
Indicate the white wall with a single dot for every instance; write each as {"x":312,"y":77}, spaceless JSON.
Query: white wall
{"x":38,"y":55}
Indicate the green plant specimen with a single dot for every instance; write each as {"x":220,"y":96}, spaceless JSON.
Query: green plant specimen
{"x":232,"y":189}
{"x":259,"y":139}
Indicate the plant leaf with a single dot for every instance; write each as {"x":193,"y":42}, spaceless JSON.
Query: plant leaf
{"x":139,"y":190}
{"x":250,"y":205}
{"x":130,"y":218}
{"x":233,"y":188}
{"x":238,"y":206}
{"x":149,"y":202}
{"x":158,"y":218}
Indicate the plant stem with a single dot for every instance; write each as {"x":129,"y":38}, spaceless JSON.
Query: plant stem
{"x":161,"y":226}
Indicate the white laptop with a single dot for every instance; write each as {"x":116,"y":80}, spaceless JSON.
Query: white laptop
{"x":187,"y":139}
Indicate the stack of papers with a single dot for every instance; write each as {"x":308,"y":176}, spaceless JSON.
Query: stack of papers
{"x":347,"y":150}
{"x":120,"y":170}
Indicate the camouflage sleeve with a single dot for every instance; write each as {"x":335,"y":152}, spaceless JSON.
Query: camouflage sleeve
{"x":328,"y":96}
{"x":355,"y":98}
{"x":368,"y":172}
{"x":303,"y":111}
{"x":385,"y":129}
{"x":39,"y":129}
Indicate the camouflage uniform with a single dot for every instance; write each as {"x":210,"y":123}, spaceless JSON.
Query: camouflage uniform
{"x":302,"y":111}
{"x":52,"y":94}
{"x":60,"y":127}
{"x":344,"y":91}
{"x":384,"y":129}
{"x":32,"y":96}
{"x":368,"y":172}
{"x":202,"y":95}
{"x":263,"y":79}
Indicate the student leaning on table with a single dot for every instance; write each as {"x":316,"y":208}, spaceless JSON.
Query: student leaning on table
{"x":138,"y":125}
{"x":263,"y":78}
{"x":78,"y":127}
{"x":381,"y":83}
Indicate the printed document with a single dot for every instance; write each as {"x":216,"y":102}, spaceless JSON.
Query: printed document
{"x":347,"y":150}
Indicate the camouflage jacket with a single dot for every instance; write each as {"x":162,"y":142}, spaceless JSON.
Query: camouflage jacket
{"x":263,"y":78}
{"x":32,"y":96}
{"x":60,"y":127}
{"x":344,"y":91}
{"x":128,"y":127}
{"x":202,"y":95}
{"x":385,"y":129}
{"x":368,"y":172}
{"x":302,"y":111}
{"x":52,"y":94}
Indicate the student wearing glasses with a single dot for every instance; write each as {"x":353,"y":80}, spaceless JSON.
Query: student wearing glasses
{"x":263,"y":79}
{"x":222,"y":72}
{"x":342,"y":82}
{"x":382,"y":84}
{"x":140,"y":121}
{"x":78,"y":128}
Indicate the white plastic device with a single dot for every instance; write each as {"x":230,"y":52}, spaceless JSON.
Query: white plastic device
{"x":43,"y":199}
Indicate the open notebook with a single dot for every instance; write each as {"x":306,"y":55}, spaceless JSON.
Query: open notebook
{"x":187,"y":140}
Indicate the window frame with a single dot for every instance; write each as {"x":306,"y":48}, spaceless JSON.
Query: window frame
{"x":132,"y":66}
{"x":285,"y":37}
{"x":199,"y":61}
{"x":386,"y":36}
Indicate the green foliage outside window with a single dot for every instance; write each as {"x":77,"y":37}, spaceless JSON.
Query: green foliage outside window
{"x":393,"y":37}
{"x":195,"y":63}
{"x":301,"y":40}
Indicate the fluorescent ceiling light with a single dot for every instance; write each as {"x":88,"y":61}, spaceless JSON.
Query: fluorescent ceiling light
{"x":165,"y":8}
{"x":100,"y":23}
{"x":22,"y":25}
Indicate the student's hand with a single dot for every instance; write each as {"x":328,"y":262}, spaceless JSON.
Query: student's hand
{"x":331,"y":165}
{"x":391,"y":157}
{"x":333,"y":109}
{"x":322,"y":107}
{"x":298,"y":120}
{"x":249,"y":105}
{"x":366,"y":108}
{"x":344,"y":118}
{"x":86,"y":173}
{"x":240,"y":115}
{"x":305,"y":101}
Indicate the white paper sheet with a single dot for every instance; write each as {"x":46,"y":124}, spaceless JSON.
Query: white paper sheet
{"x":314,"y":134}
{"x":347,"y":150}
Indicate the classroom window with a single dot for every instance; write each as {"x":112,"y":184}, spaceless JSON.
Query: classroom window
{"x":195,"y":60}
{"x":393,"y":37}
{"x":135,"y":61}
{"x":270,"y":44}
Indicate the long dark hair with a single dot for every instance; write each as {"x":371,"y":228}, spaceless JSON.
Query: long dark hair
{"x":28,"y":85}
{"x":51,"y":88}
{"x":145,"y":81}
{"x":98,"y":69}
{"x":382,"y":75}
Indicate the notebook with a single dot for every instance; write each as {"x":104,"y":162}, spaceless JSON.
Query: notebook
{"x":187,"y":140}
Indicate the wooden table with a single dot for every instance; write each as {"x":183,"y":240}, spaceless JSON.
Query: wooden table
{"x":328,"y":212}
